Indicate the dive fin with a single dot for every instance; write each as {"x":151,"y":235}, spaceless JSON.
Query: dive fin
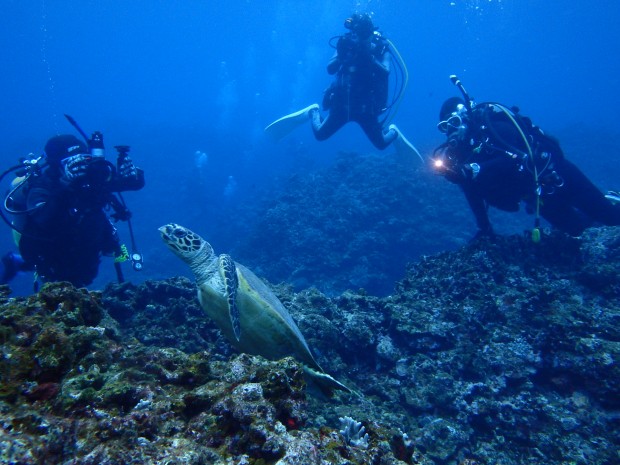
{"x":285,"y":125}
{"x":613,"y":197}
{"x":403,"y":146}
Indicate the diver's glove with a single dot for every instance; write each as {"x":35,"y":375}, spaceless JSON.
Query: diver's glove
{"x":76,"y":167}
{"x":463,"y":173}
{"x":126,"y":168}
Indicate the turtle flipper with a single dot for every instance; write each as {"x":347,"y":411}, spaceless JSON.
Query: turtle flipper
{"x":229,"y":272}
{"x":326,"y":383}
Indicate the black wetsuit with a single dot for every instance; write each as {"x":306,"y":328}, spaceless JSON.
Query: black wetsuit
{"x":360,"y":90}
{"x":503,"y":177}
{"x":67,"y":231}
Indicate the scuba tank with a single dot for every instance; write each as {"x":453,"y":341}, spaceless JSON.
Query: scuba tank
{"x":15,"y":200}
{"x":526,"y":132}
{"x":98,"y":169}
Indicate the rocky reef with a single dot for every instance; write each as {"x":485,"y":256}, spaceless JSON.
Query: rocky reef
{"x":502,"y":352}
{"x":355,"y":223}
{"x":82,"y":387}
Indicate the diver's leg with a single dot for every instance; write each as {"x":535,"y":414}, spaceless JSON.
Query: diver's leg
{"x":374,"y":131}
{"x":564,"y":217}
{"x":586,"y":197}
{"x":11,"y":264}
{"x":325,"y":128}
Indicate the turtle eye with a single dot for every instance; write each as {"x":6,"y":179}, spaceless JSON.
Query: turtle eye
{"x":179,"y":233}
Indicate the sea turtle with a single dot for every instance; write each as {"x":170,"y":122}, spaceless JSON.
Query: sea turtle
{"x":247,"y":312}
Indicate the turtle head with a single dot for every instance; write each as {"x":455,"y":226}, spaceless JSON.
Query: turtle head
{"x":187,"y":245}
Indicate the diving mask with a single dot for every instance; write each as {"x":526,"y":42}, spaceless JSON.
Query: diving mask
{"x":454,"y":121}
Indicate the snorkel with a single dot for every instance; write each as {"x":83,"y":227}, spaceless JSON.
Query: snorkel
{"x":469,"y":102}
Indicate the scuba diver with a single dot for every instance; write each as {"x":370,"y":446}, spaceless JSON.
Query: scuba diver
{"x":59,"y":204}
{"x":360,"y":90}
{"x":500,"y":159}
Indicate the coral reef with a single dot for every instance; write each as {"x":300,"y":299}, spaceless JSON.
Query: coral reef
{"x":355,"y":224}
{"x":503,"y":351}
{"x":353,"y":432}
{"x":79,"y":387}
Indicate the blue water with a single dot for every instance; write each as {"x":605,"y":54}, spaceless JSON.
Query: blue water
{"x":173,"y":78}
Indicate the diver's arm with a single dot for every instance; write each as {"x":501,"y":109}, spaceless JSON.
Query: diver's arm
{"x":334,"y":64}
{"x":347,"y":53}
{"x":483,"y":173}
{"x":500,"y":167}
{"x":43,"y":206}
{"x":479,"y":209}
{"x":382,"y":62}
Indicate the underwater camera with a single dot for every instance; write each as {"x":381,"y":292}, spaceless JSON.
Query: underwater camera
{"x":123,"y":150}
{"x":95,"y":145}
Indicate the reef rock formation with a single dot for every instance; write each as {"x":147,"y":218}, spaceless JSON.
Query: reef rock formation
{"x":78,"y":387}
{"x":504,"y":352}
